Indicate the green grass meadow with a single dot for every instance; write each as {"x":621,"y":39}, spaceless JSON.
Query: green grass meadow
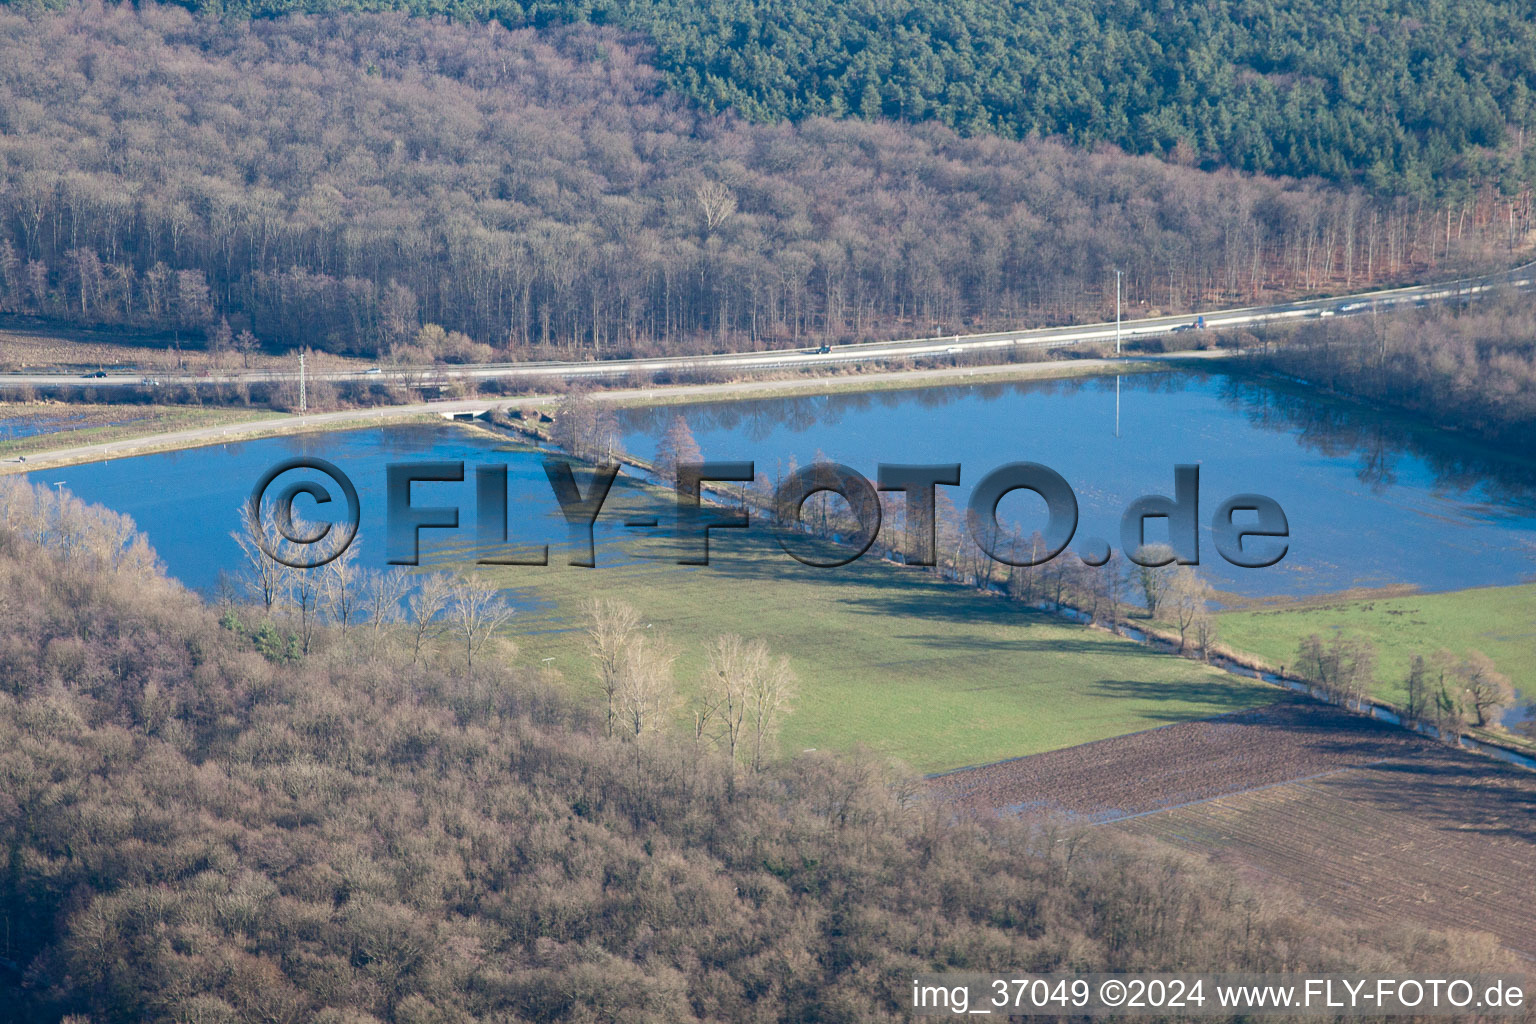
{"x":933,"y":674}
{"x":1499,"y":621}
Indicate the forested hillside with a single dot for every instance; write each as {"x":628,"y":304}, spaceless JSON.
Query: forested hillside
{"x":342,"y":182}
{"x":196,"y":828}
{"x":1401,"y":94}
{"x":1405,"y":95}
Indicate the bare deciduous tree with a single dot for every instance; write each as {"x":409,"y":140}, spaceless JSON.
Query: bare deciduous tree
{"x":302,"y":590}
{"x":1205,"y":634}
{"x":676,"y":446}
{"x":382,"y":591}
{"x":730,"y":666}
{"x":340,"y":579}
{"x":476,"y":610}
{"x":768,"y":701}
{"x":264,"y":574}
{"x":611,"y":626}
{"x":645,"y":689}
{"x":1420,"y":696}
{"x":1154,"y":580}
{"x":426,"y":605}
{"x":246,"y":344}
{"x":1449,"y":709}
{"x":1488,"y":691}
{"x":716,"y":204}
{"x":1186,"y":599}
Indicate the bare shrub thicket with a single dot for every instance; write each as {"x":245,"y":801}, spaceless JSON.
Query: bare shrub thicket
{"x":1451,"y":692}
{"x":194,"y":832}
{"x":1344,"y":666}
{"x":1472,"y":367}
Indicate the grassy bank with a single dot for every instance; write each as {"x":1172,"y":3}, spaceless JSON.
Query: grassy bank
{"x":28,"y":427}
{"x":862,"y":379}
{"x":1499,"y":621}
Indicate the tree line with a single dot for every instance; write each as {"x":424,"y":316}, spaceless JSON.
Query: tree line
{"x":1443,"y":691}
{"x":427,"y":191}
{"x":1467,"y":367}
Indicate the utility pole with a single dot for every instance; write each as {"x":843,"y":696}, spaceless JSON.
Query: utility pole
{"x":1117,"y":350}
{"x":1117,"y":311}
{"x":303,"y":396}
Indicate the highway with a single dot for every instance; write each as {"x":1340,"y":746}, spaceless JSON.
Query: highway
{"x":463,"y":408}
{"x":1362,"y":303}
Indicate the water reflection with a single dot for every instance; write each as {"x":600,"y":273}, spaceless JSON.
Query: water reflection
{"x":1378,"y":442}
{"x":188,"y":502}
{"x":1373,"y":500}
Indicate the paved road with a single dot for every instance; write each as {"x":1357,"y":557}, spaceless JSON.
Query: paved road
{"x":465,"y":407}
{"x":1051,"y":337}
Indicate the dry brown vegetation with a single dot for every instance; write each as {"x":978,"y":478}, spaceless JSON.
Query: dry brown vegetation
{"x":199,"y":825}
{"x":30,"y":427}
{"x":1470,"y":368}
{"x":45,"y":349}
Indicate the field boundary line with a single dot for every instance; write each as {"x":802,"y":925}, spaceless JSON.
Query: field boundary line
{"x":1108,"y":739}
{"x":1242,"y":792}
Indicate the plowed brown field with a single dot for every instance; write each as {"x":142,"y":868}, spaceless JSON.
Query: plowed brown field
{"x":1353,"y":815}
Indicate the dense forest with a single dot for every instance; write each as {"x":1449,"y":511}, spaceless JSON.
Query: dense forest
{"x":1407,"y":96}
{"x":200,"y":825}
{"x":1471,"y":368}
{"x":354,"y":182}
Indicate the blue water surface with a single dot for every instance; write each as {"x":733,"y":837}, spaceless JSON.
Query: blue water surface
{"x":1370,"y":501}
